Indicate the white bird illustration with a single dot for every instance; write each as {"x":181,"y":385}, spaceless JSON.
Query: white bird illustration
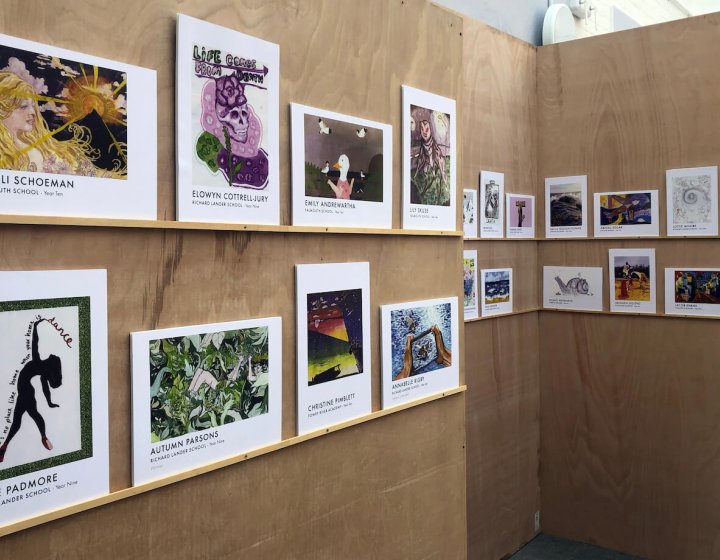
{"x":326,"y":168}
{"x":362,"y":174}
{"x":324,"y":129}
{"x":362,"y":132}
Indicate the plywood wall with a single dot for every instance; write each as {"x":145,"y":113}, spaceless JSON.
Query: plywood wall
{"x":501,"y":355}
{"x":629,"y":415}
{"x":390,"y":488}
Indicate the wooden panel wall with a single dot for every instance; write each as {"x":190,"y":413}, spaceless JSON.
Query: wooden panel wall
{"x":501,"y":354}
{"x":629,"y":415}
{"x":391,"y":488}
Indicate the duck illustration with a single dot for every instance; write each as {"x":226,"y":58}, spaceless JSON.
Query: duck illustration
{"x":362,"y":174}
{"x":342,"y":188}
{"x":361,"y":132}
{"x":325,"y":169}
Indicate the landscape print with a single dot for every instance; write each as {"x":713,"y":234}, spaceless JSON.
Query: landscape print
{"x":206,"y":380}
{"x":342,"y":160}
{"x":566,"y":205}
{"x":335,"y":335}
{"x":625,"y":209}
{"x":421,"y":340}
{"x":61,"y":116}
{"x":430,"y":166}
{"x":633,"y":278}
{"x":497,"y":286}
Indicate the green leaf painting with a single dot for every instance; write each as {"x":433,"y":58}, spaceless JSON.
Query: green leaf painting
{"x":207,"y":380}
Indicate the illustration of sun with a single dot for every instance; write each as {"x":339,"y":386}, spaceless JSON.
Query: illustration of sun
{"x":90,"y":93}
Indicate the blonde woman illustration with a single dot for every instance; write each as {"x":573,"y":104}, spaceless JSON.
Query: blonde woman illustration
{"x":26,"y":142}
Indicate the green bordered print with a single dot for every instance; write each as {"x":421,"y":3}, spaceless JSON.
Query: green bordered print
{"x":84,"y":357}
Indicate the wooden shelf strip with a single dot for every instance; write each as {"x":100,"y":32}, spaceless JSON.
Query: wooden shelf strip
{"x":148,"y":487}
{"x":499,"y":315}
{"x":623,"y":314}
{"x":211,"y":226}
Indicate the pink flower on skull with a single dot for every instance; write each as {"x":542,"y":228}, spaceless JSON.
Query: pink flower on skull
{"x":231,"y":107}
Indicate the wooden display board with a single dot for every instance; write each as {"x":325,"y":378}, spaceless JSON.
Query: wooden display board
{"x":629,"y":415}
{"x":337,"y":495}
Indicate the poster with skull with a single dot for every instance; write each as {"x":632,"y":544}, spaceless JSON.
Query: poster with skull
{"x":227,"y":122}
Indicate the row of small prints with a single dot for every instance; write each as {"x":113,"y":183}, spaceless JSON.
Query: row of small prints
{"x":691,"y":194}
{"x":84,"y":141}
{"x":200,"y":393}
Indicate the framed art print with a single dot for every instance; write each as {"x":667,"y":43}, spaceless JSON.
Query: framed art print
{"x":204,"y":393}
{"x":566,"y":212}
{"x":429,"y":161}
{"x":341,"y":170}
{"x":78,"y":132}
{"x":53,"y":386}
{"x":627,"y":213}
{"x":227,"y":122}
{"x":692,"y":201}
{"x":492,"y":199}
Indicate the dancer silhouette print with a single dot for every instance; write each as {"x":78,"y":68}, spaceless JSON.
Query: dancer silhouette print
{"x":50,"y":372}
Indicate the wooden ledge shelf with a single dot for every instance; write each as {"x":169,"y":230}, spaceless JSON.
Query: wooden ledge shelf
{"x":148,"y":487}
{"x":211,"y":226}
{"x":623,"y":314}
{"x":500,"y":315}
{"x":630,"y":238}
{"x":484,"y":239}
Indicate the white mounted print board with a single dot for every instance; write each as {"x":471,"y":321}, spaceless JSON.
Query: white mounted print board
{"x":492,"y":199}
{"x":470,"y":214}
{"x":496,"y":291}
{"x":520,"y":220}
{"x":429,"y":161}
{"x":627,"y":213}
{"x":53,"y":386}
{"x":633,"y":281}
{"x":566,"y":212}
{"x":692,"y":291}
{"x":579,"y":288}
{"x":333,"y":343}
{"x":204,"y":393}
{"x":419,"y":349}
{"x":227,"y":118}
{"x":341,"y":170}
{"x":470,"y":285}
{"x":81,"y":134}
{"x":692,"y":201}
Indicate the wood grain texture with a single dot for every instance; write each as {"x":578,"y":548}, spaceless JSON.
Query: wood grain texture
{"x":622,"y":108}
{"x":503,"y":434}
{"x":332,"y":497}
{"x":393,"y":490}
{"x":629,"y":425}
{"x":498,"y":115}
{"x":338,"y":55}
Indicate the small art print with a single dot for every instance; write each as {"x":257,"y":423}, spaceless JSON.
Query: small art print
{"x":342,"y":170}
{"x":692,"y":201}
{"x":227,"y":125}
{"x":577,"y":288}
{"x":626,"y":213}
{"x":333,"y":343}
{"x":492,"y":198}
{"x":470,"y":288}
{"x":497,"y":291}
{"x":692,"y":291}
{"x":335,"y":335}
{"x":53,"y":390}
{"x":470,"y":220}
{"x":69,"y":137}
{"x":429,"y":160}
{"x":418,"y":359}
{"x":520,"y":216}
{"x":632,"y":280}
{"x":566,"y":206}
{"x":203,"y":393}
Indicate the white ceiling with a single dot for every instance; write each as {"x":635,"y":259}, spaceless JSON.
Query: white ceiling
{"x":697,"y":7}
